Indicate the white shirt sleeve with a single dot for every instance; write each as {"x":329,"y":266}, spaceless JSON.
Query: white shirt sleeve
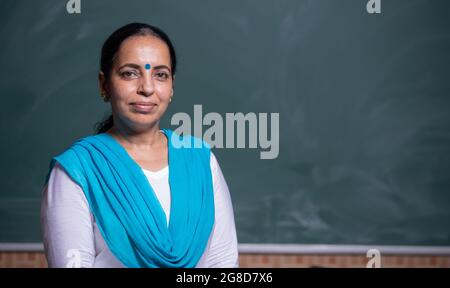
{"x":222,"y":249}
{"x":66,"y":222}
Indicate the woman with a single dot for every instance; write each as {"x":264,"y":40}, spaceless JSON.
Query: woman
{"x":127,"y":197}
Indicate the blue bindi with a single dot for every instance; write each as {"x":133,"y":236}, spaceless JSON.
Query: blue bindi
{"x":147,"y":66}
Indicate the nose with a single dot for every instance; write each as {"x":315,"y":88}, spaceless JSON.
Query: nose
{"x":146,"y":87}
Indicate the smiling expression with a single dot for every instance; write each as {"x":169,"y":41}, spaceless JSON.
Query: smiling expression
{"x":139,"y":96}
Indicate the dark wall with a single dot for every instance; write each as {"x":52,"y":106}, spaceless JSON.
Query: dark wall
{"x":364,"y":105}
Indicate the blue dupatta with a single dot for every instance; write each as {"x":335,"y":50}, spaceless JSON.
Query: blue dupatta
{"x":127,"y":211}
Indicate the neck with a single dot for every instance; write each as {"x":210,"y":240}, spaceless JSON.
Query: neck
{"x":142,"y":140}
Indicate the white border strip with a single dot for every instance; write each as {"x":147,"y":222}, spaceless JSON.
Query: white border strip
{"x":341,"y":249}
{"x":311,"y":249}
{"x":21,"y":247}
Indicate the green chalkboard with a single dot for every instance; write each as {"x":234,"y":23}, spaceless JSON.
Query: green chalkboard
{"x":363,"y":101}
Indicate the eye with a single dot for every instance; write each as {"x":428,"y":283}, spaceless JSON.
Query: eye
{"x":129,"y":74}
{"x":162,"y":75}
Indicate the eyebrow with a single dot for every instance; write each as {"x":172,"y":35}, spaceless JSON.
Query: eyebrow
{"x":136,"y":66}
{"x":132,"y":65}
{"x":162,"y":67}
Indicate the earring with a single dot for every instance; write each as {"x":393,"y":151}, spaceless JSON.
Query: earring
{"x":170,"y":100}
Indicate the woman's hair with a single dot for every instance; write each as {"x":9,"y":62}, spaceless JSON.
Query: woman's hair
{"x":112,"y":45}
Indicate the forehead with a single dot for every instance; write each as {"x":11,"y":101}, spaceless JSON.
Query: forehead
{"x":143,"y":50}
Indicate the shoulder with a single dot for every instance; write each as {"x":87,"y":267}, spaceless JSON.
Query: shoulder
{"x":69,"y":163}
{"x":193,"y":148}
{"x":185,"y":141}
{"x":213,"y":162}
{"x":61,"y":189}
{"x":58,"y":176}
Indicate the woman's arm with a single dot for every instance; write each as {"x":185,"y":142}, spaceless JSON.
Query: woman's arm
{"x":222,"y":249}
{"x":66,"y":222}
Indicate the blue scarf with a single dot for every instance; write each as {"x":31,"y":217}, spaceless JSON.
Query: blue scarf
{"x":127,"y":211}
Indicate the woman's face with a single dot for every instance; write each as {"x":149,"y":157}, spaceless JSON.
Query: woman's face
{"x":140,"y":85}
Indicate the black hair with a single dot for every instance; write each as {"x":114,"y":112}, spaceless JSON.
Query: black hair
{"x":112,"y":45}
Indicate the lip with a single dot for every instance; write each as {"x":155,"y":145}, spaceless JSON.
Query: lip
{"x":143,"y":107}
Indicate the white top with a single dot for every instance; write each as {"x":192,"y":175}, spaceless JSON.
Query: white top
{"x":72,"y":238}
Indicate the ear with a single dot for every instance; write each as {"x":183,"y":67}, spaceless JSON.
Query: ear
{"x":173,"y":85}
{"x":102,"y":83}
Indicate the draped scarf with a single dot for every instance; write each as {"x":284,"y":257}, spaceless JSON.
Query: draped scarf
{"x":126,"y":208}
